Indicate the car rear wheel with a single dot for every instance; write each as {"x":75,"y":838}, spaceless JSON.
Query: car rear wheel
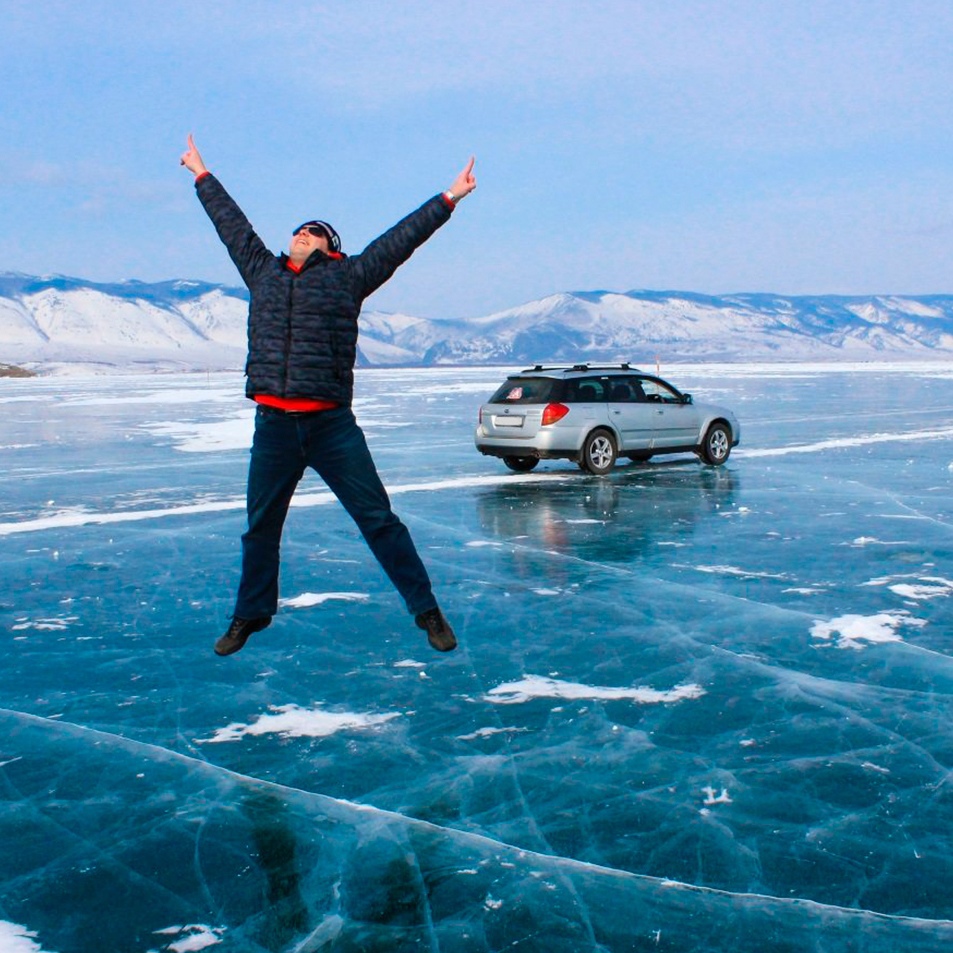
{"x":521,"y":464}
{"x":717,"y":445}
{"x":598,"y":452}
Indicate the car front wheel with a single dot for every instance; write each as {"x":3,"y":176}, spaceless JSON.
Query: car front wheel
{"x":598,"y":452}
{"x":717,"y":445}
{"x":521,"y":464}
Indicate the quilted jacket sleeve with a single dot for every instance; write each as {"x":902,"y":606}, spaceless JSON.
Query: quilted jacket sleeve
{"x":386,"y":254}
{"x":244,"y":246}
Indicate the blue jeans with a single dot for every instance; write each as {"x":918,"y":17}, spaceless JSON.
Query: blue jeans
{"x":330,"y":442}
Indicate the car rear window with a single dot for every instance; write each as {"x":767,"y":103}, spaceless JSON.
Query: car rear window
{"x":586,"y":390}
{"x":524,"y":390}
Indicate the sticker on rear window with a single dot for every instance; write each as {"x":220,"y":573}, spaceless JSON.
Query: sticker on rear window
{"x":515,"y":394}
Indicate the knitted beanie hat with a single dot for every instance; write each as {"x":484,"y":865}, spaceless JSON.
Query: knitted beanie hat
{"x":334,"y":240}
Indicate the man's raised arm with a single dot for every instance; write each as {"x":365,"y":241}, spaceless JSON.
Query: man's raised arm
{"x":244,"y":247}
{"x":387,"y":253}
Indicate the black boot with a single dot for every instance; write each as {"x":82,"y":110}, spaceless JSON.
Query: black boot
{"x":238,"y":633}
{"x":439,"y":633}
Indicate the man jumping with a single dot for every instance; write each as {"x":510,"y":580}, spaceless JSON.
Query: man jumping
{"x":302,"y":344}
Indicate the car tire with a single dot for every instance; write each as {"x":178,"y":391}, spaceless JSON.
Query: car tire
{"x":717,"y":445}
{"x":521,"y":464}
{"x":598,"y":452}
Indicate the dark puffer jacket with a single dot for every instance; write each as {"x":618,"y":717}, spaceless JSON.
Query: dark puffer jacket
{"x":302,"y":329}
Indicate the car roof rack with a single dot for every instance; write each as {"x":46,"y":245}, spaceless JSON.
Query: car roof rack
{"x":624,"y":366}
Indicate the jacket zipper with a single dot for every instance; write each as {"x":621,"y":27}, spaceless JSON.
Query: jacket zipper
{"x":286,"y":362}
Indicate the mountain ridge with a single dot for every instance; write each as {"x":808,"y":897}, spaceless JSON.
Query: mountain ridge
{"x":53,"y":320}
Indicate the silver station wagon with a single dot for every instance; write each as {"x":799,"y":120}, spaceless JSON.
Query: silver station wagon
{"x":594,"y":414}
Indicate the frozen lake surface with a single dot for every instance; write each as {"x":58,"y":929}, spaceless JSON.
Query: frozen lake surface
{"x":693,"y":709}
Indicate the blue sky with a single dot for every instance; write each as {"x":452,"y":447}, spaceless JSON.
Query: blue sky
{"x":794,"y":146}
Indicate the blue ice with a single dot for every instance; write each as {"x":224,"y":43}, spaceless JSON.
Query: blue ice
{"x":693,"y":708}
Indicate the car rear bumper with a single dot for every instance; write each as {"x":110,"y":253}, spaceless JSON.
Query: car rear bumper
{"x":542,"y":446}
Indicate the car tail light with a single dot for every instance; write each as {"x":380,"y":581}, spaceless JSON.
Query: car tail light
{"x":554,"y":412}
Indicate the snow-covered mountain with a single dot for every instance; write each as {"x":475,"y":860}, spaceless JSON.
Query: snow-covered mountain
{"x":52,"y":321}
{"x":678,"y":325}
{"x":58,"y":320}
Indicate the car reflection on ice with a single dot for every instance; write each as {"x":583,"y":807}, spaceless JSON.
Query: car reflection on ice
{"x":630,"y":518}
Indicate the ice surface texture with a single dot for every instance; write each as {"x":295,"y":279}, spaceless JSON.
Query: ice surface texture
{"x":693,"y":708}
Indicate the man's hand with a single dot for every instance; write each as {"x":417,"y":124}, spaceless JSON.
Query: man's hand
{"x":193,"y":161}
{"x":465,"y":182}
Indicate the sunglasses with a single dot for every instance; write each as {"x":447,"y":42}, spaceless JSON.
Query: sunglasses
{"x":314,"y":230}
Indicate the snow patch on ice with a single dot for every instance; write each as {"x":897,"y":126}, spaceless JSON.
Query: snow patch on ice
{"x":291,"y":721}
{"x":57,"y":624}
{"x":928,"y":589}
{"x":197,"y":395}
{"x":854,"y":631}
{"x":743,"y":573}
{"x":234,"y":433}
{"x":15,"y":938}
{"x":81,"y":516}
{"x":924,"y":587}
{"x":841,"y":443}
{"x":308,"y":599}
{"x":488,"y":733}
{"x":459,"y":387}
{"x":536,"y":686}
{"x":194,"y":936}
{"x":373,"y":425}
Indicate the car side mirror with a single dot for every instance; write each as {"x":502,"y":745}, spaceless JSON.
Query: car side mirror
{"x":686,"y":398}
